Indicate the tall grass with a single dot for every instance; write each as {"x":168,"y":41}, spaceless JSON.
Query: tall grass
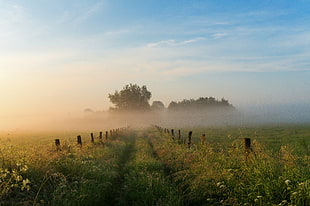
{"x":213,"y":174}
{"x":146,"y":167}
{"x":145,"y":182}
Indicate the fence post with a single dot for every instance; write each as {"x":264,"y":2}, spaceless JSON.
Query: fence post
{"x":203,"y":139}
{"x":79,"y":140}
{"x":172,"y":134}
{"x":106,"y":135}
{"x":92,"y":137}
{"x":189,"y":139}
{"x":179,"y":138}
{"x":100,"y":135}
{"x":57,"y":143}
{"x":247,"y":147}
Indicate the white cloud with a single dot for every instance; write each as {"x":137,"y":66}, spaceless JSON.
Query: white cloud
{"x":219,"y":35}
{"x":192,"y":40}
{"x":173,"y":42}
{"x":162,"y":43}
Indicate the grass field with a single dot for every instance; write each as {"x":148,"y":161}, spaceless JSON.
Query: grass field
{"x":148,"y":167}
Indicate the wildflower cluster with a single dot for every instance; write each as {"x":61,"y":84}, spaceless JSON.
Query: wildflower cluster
{"x":11,"y":178}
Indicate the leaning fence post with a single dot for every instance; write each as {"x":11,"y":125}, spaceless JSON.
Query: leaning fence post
{"x":57,"y":143}
{"x":79,"y":140}
{"x":189,"y":139}
{"x":92,"y":137}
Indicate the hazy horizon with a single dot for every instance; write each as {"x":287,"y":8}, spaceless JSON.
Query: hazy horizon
{"x":246,"y":116}
{"x":58,"y":58}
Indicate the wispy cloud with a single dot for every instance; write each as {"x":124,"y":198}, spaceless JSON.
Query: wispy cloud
{"x":219,"y":35}
{"x":173,"y":42}
{"x":88,"y":12}
{"x":79,"y":13}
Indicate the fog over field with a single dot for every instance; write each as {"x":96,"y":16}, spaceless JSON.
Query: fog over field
{"x":242,"y":116}
{"x":58,"y":58}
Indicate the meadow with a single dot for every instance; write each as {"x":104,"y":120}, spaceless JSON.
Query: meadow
{"x":151,"y":167}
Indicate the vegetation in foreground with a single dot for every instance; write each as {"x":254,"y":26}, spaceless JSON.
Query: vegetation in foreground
{"x":148,"y":167}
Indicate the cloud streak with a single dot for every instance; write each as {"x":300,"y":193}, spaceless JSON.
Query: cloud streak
{"x":173,"y":42}
{"x":88,"y":12}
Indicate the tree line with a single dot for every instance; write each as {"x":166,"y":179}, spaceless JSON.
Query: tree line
{"x":136,"y":98}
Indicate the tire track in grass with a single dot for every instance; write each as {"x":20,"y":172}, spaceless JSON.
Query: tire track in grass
{"x":125,"y":154}
{"x":145,"y":182}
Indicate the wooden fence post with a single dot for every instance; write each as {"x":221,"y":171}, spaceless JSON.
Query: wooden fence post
{"x":106,"y":135}
{"x":57,"y":143}
{"x":203,"y":139}
{"x":179,"y":138}
{"x":92,"y":137}
{"x":100,"y":135}
{"x":79,"y":140}
{"x":189,"y":139}
{"x":247,"y":147}
{"x":172,"y":134}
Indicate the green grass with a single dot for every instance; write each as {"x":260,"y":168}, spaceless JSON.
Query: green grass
{"x":145,"y":182}
{"x":220,"y":173}
{"x":272,"y":137}
{"x":146,"y":167}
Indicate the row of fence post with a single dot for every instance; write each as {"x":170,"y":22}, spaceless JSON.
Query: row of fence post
{"x":108,"y":134}
{"x":246,"y":141}
{"x":167,"y":131}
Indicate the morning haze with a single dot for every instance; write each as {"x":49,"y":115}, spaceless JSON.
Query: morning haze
{"x":155,"y":102}
{"x":59,"y":59}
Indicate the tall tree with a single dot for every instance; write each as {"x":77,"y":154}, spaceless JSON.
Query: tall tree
{"x":131,"y":97}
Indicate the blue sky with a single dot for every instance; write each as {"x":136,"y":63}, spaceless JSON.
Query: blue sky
{"x":68,"y":55}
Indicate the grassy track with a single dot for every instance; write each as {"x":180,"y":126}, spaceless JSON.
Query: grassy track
{"x":145,"y":182}
{"x":115,"y":193}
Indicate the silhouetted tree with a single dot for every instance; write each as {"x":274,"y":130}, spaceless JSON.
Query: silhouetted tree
{"x":157,"y":105}
{"x":172,"y":105}
{"x":131,"y":97}
{"x":198,"y":104}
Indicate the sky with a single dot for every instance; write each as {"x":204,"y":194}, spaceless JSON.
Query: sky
{"x":63,"y":56}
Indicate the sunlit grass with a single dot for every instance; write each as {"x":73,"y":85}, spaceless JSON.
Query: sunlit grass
{"x":220,"y":173}
{"x":147,"y":167}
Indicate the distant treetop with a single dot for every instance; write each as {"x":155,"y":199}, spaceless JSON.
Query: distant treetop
{"x":198,"y":104}
{"x":136,"y":98}
{"x":131,"y":98}
{"x":157,"y":106}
